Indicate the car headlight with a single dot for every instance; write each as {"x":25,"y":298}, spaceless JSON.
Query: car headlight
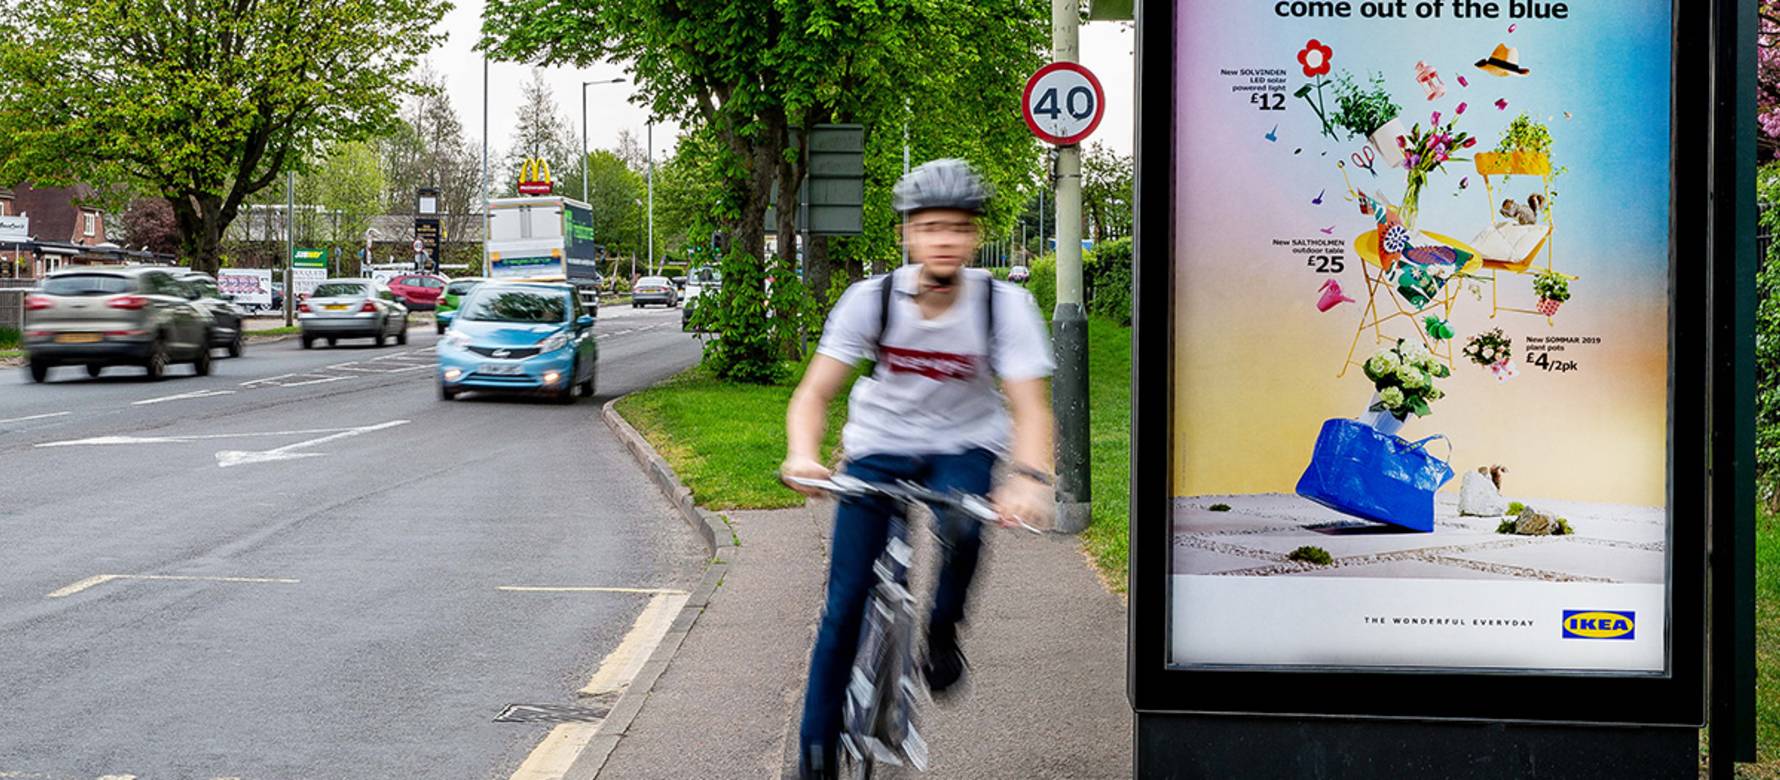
{"x":455,"y":338}
{"x":554,"y":343}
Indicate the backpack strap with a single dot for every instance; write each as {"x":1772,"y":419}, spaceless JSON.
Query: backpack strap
{"x":989,"y":321}
{"x":886,"y":289}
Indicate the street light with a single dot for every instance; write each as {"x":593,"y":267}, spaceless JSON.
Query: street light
{"x":584,"y":86}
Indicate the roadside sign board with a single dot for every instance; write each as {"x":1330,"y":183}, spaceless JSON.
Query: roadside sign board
{"x":15,"y":228}
{"x":1063,"y":103}
{"x":250,"y":286}
{"x":305,"y":280}
{"x":427,"y":236}
{"x":310,"y":258}
{"x":1427,"y":462}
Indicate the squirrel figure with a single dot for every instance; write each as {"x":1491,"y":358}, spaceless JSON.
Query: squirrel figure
{"x":1527,"y":213}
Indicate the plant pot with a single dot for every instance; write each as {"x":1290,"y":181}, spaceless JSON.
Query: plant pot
{"x":1383,"y":421}
{"x":1548,"y":307}
{"x":1384,"y":140}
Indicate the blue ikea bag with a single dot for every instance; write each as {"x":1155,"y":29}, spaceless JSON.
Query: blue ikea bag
{"x":1358,"y":471}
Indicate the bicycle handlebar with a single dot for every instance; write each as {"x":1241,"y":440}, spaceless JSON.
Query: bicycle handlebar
{"x":853,"y":487}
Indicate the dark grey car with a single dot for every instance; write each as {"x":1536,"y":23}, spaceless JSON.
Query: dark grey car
{"x":98,"y":317}
{"x":225,"y":330}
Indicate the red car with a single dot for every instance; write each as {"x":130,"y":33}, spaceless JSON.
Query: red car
{"x":418,"y":291}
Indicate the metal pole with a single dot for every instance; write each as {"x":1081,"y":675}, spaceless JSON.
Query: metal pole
{"x":584,"y":140}
{"x":1041,"y":204}
{"x":290,"y":243}
{"x":1069,"y":325}
{"x":484,"y":171}
{"x":650,"y":139}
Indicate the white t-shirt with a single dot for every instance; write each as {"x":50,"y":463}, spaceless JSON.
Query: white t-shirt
{"x":934,"y":390}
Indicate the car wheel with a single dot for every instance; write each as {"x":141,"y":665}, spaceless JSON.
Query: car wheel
{"x":40,"y":371}
{"x":201,"y":363}
{"x":446,"y":393}
{"x":402,"y":335}
{"x":235,"y":345}
{"x":308,"y":342}
{"x":636,"y":305}
{"x":441,"y":327}
{"x":156,"y":365}
{"x":588,"y":386}
{"x":381,"y":338}
{"x":333,"y":341}
{"x":93,"y":370}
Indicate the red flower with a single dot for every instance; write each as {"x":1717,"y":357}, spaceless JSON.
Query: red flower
{"x":1315,"y":58}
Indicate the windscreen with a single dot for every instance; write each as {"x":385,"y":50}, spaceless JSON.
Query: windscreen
{"x":459,"y":288}
{"x":340,"y":290}
{"x":515,"y":306}
{"x":88,"y":284}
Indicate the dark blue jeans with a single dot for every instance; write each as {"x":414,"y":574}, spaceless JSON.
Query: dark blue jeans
{"x":861,"y":529}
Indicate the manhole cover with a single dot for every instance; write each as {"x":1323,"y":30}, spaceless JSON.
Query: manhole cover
{"x":551,"y":713}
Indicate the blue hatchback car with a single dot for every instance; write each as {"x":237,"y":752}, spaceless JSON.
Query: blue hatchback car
{"x":519,"y":336}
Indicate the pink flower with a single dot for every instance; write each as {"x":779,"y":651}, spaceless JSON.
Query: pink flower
{"x":1460,"y":109}
{"x":1414,"y":160}
{"x":1434,"y":121}
{"x":1440,"y":156}
{"x":1402,"y":142}
{"x":1502,"y":104}
{"x":1463,"y":82}
{"x":1470,"y":142}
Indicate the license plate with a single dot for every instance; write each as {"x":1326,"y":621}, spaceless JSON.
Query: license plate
{"x":335,"y":307}
{"x":78,"y":338}
{"x":503,"y":369}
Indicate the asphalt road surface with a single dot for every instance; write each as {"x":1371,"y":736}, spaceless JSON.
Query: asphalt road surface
{"x":308,"y":566}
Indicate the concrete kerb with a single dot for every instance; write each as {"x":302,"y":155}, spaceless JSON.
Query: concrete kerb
{"x":721,"y":547}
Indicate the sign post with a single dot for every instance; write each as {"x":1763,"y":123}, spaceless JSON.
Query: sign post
{"x":1063,"y":103}
{"x":1420,"y":451}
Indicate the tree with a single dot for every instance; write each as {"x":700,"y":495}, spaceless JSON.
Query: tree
{"x":631,"y":151}
{"x":428,"y":148}
{"x":343,"y":194}
{"x":541,"y":131}
{"x":1106,"y":193}
{"x":613,"y":192}
{"x":203,"y":102}
{"x":149,"y":224}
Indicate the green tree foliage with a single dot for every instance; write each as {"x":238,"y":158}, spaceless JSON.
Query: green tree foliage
{"x":200,"y":102}
{"x":1109,"y":279}
{"x":613,"y":190}
{"x":427,"y":147}
{"x":343,"y":193}
{"x":1106,"y":193}
{"x":1767,"y":346}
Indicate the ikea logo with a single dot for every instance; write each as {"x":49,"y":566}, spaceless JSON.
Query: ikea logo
{"x":1597,"y":624}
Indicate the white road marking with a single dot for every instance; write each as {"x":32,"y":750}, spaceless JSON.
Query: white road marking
{"x":34,"y":417}
{"x":553,"y":756}
{"x":115,"y":777}
{"x":183,"y":396}
{"x":182,"y":439}
{"x":588,"y":589}
{"x":227,"y":458}
{"x":101,"y":579}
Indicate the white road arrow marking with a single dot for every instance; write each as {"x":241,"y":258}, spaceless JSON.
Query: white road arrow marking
{"x":181,"y":439}
{"x":227,"y":458}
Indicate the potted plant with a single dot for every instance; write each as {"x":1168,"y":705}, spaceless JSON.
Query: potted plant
{"x":1403,"y":384}
{"x":1425,"y":153}
{"x":1525,"y":140}
{"x":1368,"y":112}
{"x":1553,"y":289}
{"x":1493,"y":351}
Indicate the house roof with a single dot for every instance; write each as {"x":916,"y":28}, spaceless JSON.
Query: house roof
{"x":54,"y":216}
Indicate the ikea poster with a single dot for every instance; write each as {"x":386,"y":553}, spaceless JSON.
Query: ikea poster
{"x":1421,"y":335}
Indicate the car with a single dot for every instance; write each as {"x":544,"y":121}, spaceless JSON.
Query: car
{"x":419,"y":292}
{"x":1019,"y":273}
{"x":225,"y":332}
{"x":125,"y":316}
{"x":351,"y":308}
{"x":700,"y":282}
{"x":453,"y":296}
{"x":654,"y":289}
{"x":532,"y":337}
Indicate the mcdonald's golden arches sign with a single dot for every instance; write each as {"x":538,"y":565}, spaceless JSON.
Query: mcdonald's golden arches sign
{"x":534,"y":177}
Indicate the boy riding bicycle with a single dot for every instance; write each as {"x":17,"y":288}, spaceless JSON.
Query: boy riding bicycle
{"x":930,"y":413}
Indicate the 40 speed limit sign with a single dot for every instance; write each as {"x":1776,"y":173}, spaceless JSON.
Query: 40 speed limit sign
{"x":1063,"y":103}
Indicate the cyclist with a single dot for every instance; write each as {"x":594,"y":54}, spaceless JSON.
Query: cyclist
{"x":930,"y":413}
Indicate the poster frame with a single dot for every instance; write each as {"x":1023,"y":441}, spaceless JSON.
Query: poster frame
{"x":1675,"y":698}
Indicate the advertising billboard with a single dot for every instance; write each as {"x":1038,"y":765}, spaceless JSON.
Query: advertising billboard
{"x":1422,"y":338}
{"x":249,"y":286}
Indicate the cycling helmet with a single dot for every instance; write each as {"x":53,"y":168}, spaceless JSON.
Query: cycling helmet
{"x":941,"y":184}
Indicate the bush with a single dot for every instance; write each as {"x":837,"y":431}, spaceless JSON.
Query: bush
{"x":1767,"y":347}
{"x":1109,"y":280}
{"x":1311,"y":554}
{"x":9,"y":338}
{"x":1043,"y":284}
{"x":1516,"y":507}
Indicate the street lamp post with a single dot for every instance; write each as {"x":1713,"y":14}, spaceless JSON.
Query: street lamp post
{"x":649,"y":138}
{"x":584,"y":86}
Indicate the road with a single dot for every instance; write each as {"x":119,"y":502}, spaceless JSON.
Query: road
{"x":308,"y":566}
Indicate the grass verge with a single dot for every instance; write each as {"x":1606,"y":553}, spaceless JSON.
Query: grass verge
{"x":1107,"y":537}
{"x":724,"y":440}
{"x":279,"y":331}
{"x":1767,"y":648}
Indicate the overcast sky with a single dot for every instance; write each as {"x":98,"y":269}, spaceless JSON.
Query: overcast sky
{"x":1106,"y":50}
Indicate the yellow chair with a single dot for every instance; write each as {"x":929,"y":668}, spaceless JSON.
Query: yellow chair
{"x":1505,"y":164}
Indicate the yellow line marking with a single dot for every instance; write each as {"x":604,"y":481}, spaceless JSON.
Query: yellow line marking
{"x":587,"y":589}
{"x":553,"y":756}
{"x":622,"y":665}
{"x":551,"y":759}
{"x":100,"y":579}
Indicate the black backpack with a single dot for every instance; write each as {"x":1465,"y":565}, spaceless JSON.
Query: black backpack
{"x":886,"y":288}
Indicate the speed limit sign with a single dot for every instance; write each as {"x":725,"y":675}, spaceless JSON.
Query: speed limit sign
{"x":1063,"y":103}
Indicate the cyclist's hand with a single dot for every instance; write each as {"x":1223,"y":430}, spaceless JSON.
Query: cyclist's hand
{"x":805,"y":468}
{"x":1020,"y":499}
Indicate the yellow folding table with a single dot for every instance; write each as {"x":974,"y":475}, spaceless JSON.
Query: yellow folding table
{"x":1375,"y":316}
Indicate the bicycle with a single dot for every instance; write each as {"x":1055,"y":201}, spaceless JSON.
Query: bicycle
{"x":878,"y":720}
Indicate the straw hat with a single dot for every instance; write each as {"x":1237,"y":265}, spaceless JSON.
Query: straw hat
{"x":1504,"y":61}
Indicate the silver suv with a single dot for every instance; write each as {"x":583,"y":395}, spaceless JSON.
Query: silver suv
{"x":352,"y":308}
{"x":98,"y":317}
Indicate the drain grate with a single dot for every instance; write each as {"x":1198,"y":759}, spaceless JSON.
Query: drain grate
{"x":551,"y":713}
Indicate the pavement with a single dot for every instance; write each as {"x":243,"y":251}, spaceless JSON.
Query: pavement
{"x":1046,"y":641}
{"x":306,"y":565}
{"x":1253,"y":535}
